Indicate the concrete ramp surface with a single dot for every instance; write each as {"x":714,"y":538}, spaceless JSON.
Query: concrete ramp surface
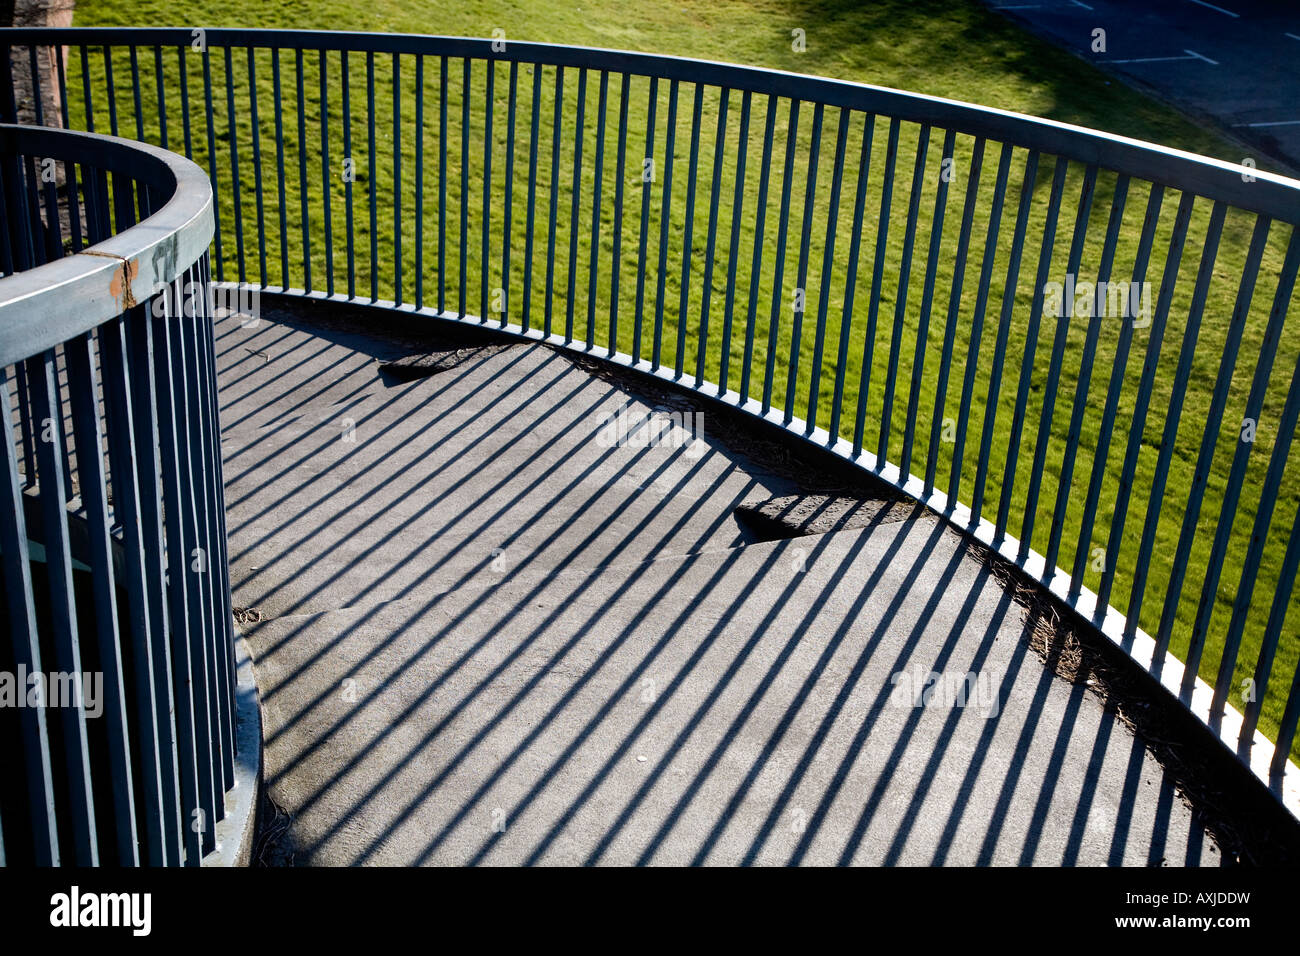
{"x":484,"y":635}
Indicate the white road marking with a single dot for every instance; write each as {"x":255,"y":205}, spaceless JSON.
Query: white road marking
{"x":1191,"y":55}
{"x":1274,"y":123}
{"x":1292,"y":36}
{"x":1219,"y":9}
{"x":1080,"y":3}
{"x":1150,"y":59}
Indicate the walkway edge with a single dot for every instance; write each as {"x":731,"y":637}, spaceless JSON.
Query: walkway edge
{"x":235,"y":832}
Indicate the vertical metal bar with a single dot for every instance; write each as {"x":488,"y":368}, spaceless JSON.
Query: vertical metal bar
{"x":1241,"y":604}
{"x":1045,"y":253}
{"x":183,"y":70}
{"x":419,"y":181}
{"x":61,"y":82}
{"x":1268,"y":650}
{"x":203,"y":468}
{"x":87,"y":100}
{"x":191,"y":675}
{"x":83,"y":388}
{"x":158,"y":85}
{"x":1209,"y":439}
{"x":372,"y":185}
{"x":647,"y":165}
{"x":280,"y":172}
{"x":45,"y":247}
{"x":51,"y":462}
{"x":6,"y":240}
{"x":135,"y":92}
{"x":70,"y":168}
{"x":326,"y":184}
{"x":53,"y":224}
{"x":1286,"y":731}
{"x":220,"y":562}
{"x":616,"y":257}
{"x":257,"y":166}
{"x":464,"y":185}
{"x":927,"y":300}
{"x":900,"y":302}
{"x":733,"y":248}
{"x":35,"y":74}
{"x":1142,"y":403}
{"x":851,"y":276}
{"x":576,"y":205}
{"x":442,"y":185}
{"x":507,"y":238}
{"x":1004,"y":327}
{"x":532,"y":195}
{"x":938,"y":422}
{"x":350,"y":172}
{"x":111,"y":89}
{"x":755,"y":272}
{"x":715,"y":190}
{"x":1080,"y":407}
{"x":801,"y":281}
{"x":212,"y":160}
{"x":688,"y":232}
{"x":1101,"y":455}
{"x":397,"y":180}
{"x":773,"y":333}
{"x":1186,"y":356}
{"x":665,"y":224}
{"x":172,"y":707}
{"x":8,"y":107}
{"x":304,"y":197}
{"x":221,"y":577}
{"x":38,"y":775}
{"x":1082,"y":215}
{"x":486,"y":264}
{"x":555,"y":199}
{"x":593,"y":267}
{"x":235,"y":192}
{"x":828,"y":265}
{"x":1227,"y":508}
{"x":877,"y":280}
{"x":153,"y":738}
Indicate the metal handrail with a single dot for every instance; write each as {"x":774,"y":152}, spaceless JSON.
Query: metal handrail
{"x":47,"y":305}
{"x":526,"y":211}
{"x":112,"y":526}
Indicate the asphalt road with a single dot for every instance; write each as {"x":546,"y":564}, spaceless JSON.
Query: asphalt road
{"x":1235,"y":63}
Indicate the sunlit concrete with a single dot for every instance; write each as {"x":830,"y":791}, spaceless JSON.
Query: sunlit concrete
{"x":487,"y":636}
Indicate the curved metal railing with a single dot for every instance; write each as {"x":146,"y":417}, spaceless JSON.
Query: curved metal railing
{"x":1117,"y":422}
{"x":112,"y":538}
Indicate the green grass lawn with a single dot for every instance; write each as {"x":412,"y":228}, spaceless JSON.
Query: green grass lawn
{"x":953,"y":49}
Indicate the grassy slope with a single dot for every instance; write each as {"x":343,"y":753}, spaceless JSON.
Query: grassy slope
{"x":951,"y":49}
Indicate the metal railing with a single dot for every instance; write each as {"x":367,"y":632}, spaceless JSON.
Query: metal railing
{"x":1120,"y":428}
{"x":112,"y":538}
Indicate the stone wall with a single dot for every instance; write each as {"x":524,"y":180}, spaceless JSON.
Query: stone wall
{"x":37,"y":13}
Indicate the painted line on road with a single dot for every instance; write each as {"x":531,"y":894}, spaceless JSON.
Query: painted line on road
{"x":1292,"y":36}
{"x":1219,"y":9}
{"x":1151,"y":59}
{"x":1295,"y":122}
{"x":1191,"y":55}
{"x":1080,"y":3}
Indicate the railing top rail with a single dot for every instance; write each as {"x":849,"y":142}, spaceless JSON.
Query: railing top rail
{"x":1258,"y":191}
{"x":49,"y":304}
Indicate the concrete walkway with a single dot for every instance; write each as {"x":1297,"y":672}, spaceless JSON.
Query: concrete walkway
{"x":486,"y":637}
